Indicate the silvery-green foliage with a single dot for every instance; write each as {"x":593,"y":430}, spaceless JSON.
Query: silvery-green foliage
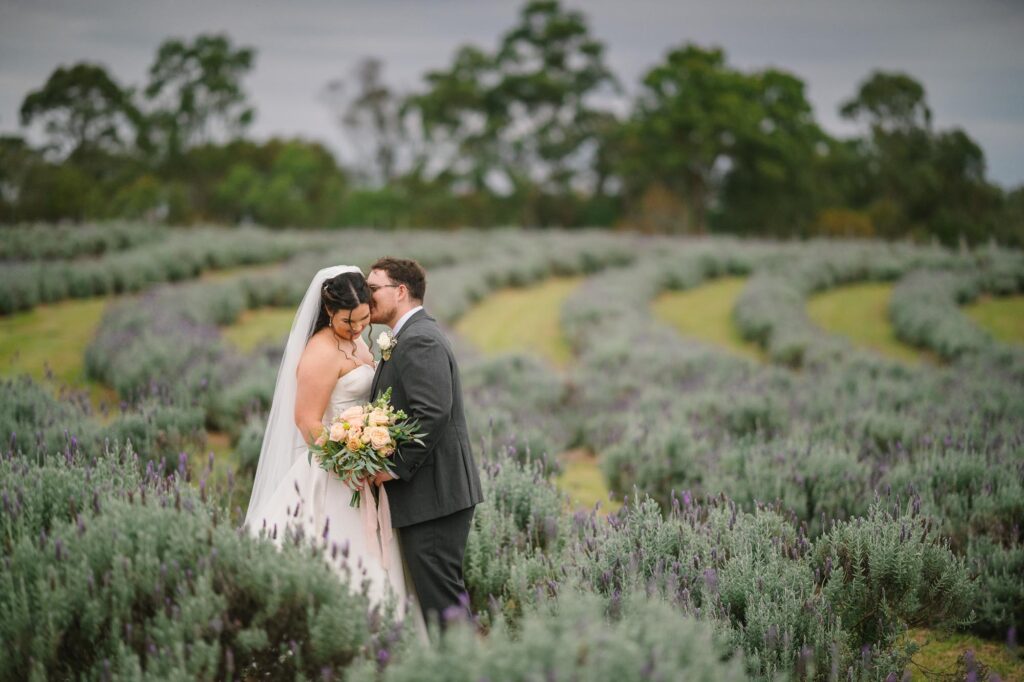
{"x":33,"y":419}
{"x":966,"y":492}
{"x":160,"y":430}
{"x":675,"y":415}
{"x":976,"y":500}
{"x":107,"y":572}
{"x":815,"y":479}
{"x":178,"y":255}
{"x":925,"y":307}
{"x":517,"y":536}
{"x":1000,"y":595}
{"x":248,"y":391}
{"x":47,"y":241}
{"x":37,"y":422}
{"x":250,"y":441}
{"x":571,"y":639}
{"x":40,"y":491}
{"x":516,"y":406}
{"x":888,"y":570}
{"x":759,"y":578}
{"x":771,"y":309}
{"x":513,"y":260}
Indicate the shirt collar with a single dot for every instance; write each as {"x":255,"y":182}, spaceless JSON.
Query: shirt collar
{"x":404,"y":319}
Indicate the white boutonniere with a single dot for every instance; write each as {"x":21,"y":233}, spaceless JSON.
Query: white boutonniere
{"x":387,"y":344}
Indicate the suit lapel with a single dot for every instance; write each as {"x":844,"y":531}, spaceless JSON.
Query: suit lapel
{"x":379,"y":372}
{"x":416,"y":317}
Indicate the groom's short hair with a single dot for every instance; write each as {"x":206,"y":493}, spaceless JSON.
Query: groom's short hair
{"x":404,"y":271}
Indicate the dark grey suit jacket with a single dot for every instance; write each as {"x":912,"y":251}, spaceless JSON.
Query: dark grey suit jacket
{"x":439,"y":477}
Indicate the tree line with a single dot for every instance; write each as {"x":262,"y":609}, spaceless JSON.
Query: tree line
{"x":522,"y":133}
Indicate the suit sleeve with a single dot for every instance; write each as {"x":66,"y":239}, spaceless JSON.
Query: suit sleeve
{"x":425,"y":373}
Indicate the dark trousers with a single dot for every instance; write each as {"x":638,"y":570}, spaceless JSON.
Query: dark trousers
{"x":433,"y":552}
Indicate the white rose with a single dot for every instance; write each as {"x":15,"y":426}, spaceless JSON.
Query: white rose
{"x":384,"y":341}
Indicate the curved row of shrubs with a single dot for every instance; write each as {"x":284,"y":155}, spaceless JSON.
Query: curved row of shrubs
{"x":183,"y":254}
{"x":925,"y":305}
{"x":66,"y":242}
{"x":771,"y":310}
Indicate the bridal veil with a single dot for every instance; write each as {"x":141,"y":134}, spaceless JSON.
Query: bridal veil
{"x":282,"y":440}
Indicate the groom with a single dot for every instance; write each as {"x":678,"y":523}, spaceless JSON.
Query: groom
{"x":436,"y":484}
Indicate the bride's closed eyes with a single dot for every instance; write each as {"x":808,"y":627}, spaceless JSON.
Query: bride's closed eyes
{"x":349,"y":321}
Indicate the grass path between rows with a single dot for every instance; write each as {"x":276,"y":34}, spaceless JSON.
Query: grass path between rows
{"x":860,"y":312}
{"x":259,"y":326}
{"x":705,"y":313}
{"x":1001,"y":317}
{"x":528,"y":320}
{"x":54,"y":337}
{"x":522,"y":320}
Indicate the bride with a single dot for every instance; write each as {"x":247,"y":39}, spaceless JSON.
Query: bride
{"x":327,"y":367}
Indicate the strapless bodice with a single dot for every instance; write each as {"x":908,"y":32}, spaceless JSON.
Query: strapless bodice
{"x":352,"y":388}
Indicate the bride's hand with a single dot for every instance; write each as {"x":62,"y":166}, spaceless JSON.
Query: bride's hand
{"x":382,"y":478}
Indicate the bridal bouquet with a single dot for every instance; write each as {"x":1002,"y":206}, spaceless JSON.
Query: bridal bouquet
{"x":361,"y":441}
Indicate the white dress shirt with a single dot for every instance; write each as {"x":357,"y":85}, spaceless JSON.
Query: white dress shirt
{"x":405,"y":318}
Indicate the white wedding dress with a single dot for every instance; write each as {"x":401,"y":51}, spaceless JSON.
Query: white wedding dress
{"x":310,"y":498}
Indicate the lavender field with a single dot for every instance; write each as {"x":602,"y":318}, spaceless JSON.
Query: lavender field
{"x":788,"y":501}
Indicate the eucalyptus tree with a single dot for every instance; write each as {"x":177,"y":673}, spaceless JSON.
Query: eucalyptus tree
{"x":522,"y":120}
{"x":82,"y":108}
{"x":195,"y":93}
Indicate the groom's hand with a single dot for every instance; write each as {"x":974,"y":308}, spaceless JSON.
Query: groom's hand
{"x":382,"y":477}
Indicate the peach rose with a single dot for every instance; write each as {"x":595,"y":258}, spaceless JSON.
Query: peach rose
{"x":337,"y":432}
{"x":379,"y":436}
{"x":354,"y":415}
{"x":378,"y":418}
{"x":354,"y":442}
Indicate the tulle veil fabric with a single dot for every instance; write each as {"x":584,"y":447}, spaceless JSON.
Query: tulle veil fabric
{"x":282,"y":440}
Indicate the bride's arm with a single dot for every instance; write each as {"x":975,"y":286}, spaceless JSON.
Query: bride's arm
{"x":316,"y":376}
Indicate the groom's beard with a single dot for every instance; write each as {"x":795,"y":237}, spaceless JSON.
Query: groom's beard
{"x":380,"y":315}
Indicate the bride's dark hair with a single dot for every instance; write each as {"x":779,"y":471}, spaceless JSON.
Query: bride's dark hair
{"x":343,"y":292}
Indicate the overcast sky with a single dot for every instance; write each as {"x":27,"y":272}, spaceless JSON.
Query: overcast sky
{"x":967,"y":54}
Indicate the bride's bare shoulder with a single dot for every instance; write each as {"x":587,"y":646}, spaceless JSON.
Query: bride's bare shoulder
{"x":319,"y":351}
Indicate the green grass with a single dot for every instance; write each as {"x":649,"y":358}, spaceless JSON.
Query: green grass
{"x":940,"y":652}
{"x":860,"y":312}
{"x":265,"y":325}
{"x":581,"y":478}
{"x":54,"y":336}
{"x":1002,"y":317}
{"x":705,"y":313}
{"x":526,"y":320}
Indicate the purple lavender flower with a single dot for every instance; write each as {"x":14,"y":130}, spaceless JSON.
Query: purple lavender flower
{"x":711,"y":579}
